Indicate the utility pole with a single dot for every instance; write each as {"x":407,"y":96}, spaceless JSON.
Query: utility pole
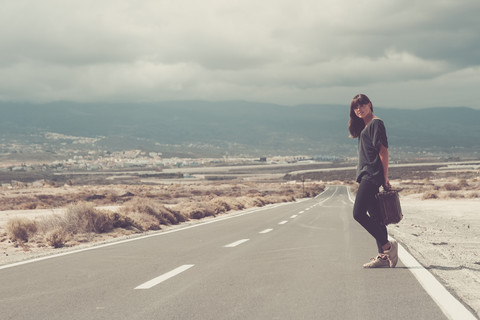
{"x":303,"y":185}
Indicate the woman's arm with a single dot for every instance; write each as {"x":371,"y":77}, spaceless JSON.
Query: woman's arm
{"x":384,"y":159}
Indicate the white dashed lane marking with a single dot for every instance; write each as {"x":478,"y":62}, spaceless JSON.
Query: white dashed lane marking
{"x":266,"y":231}
{"x":236,"y":243}
{"x":164,"y":277}
{"x":283,"y":222}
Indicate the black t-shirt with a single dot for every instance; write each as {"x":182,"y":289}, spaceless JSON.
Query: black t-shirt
{"x":369,"y":141}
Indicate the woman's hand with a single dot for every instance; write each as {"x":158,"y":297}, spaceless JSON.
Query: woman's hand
{"x":386,"y":185}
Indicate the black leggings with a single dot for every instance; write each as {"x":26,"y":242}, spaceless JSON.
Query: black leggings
{"x":365,"y":201}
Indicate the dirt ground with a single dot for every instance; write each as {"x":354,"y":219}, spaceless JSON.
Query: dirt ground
{"x":442,"y":234}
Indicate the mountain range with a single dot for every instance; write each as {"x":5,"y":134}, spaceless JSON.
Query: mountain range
{"x":238,"y":127}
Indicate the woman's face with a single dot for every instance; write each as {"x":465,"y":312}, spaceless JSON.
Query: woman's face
{"x":363,"y":110}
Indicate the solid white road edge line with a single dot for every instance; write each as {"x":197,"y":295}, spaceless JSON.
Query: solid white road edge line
{"x":156,"y":234}
{"x":163,"y":277}
{"x":450,"y":306}
{"x":236,"y":243}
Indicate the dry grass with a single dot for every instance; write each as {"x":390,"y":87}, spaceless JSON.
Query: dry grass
{"x":56,"y":238}
{"x":140,"y":208}
{"x":21,"y":229}
{"x":146,"y":214}
{"x":428,"y":189}
{"x":441,"y":188}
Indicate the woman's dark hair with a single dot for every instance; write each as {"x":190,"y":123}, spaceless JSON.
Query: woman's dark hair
{"x":356,"y":125}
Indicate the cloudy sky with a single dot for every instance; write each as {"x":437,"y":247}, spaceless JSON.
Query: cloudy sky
{"x":402,"y":53}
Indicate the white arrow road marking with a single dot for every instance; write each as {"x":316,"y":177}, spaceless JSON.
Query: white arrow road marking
{"x":283,"y":222}
{"x":266,"y":231}
{"x":236,"y":243}
{"x":163,"y":277}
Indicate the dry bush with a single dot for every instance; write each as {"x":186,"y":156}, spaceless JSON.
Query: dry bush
{"x":79,"y":218}
{"x":407,"y":191}
{"x":462,"y":183}
{"x":150,"y":208}
{"x":279,"y":198}
{"x":430,"y":195}
{"x":28,"y":206}
{"x":143,"y":222}
{"x":255,"y":202}
{"x":142,"y":210}
{"x":102,"y":222}
{"x":112,"y":197}
{"x":83,"y":217}
{"x":235,"y":203}
{"x":473,"y":195}
{"x":451,"y":187}
{"x":21,"y":229}
{"x":220,"y":205}
{"x":454,"y":195}
{"x":48,"y":223}
{"x":120,"y":220}
{"x":56,"y":237}
{"x":427,"y":182}
{"x":196,"y":210}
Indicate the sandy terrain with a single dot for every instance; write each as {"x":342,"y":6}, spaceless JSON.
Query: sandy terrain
{"x":443,"y":235}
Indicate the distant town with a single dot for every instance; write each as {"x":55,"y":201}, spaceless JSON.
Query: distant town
{"x":53,"y":158}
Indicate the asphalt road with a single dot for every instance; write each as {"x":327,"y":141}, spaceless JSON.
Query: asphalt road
{"x":292,"y":261}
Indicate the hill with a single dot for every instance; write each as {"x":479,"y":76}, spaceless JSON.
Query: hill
{"x":236,"y":126}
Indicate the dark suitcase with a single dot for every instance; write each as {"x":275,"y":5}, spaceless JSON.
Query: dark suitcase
{"x":389,"y":205}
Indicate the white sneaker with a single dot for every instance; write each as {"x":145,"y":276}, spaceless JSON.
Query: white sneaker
{"x":392,"y":254}
{"x":378,"y":262}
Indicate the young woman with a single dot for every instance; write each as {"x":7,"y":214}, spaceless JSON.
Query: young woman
{"x":372,"y":172}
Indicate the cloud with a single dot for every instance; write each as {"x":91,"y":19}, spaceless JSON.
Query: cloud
{"x":281,"y":51}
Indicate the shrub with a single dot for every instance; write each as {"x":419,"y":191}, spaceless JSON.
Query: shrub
{"x":427,"y":182}
{"x":56,"y":237}
{"x":463,"y":183}
{"x":159,"y":212}
{"x":120,"y":221}
{"x":313,"y":190}
{"x":454,"y":195}
{"x":195,"y":211}
{"x":220,"y":205}
{"x":102,"y":222}
{"x":473,"y":195}
{"x":430,"y":195}
{"x":21,"y":229}
{"x":234,"y":203}
{"x":48,"y":223}
{"x":143,"y":222}
{"x":257,"y":202}
{"x":451,"y":187}
{"x":83,"y":217}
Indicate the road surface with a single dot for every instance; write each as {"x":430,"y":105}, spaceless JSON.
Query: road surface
{"x":299,"y":260}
